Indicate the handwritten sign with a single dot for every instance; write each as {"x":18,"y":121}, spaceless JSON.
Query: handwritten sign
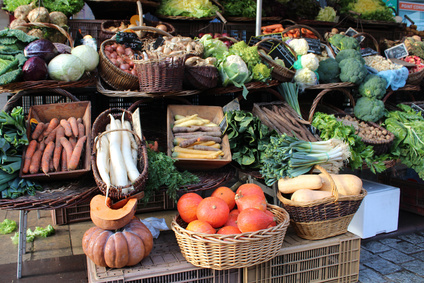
{"x":368,"y":51}
{"x":314,"y":45}
{"x":351,"y":32}
{"x":397,"y":51}
{"x":285,"y":54}
{"x":267,"y":44}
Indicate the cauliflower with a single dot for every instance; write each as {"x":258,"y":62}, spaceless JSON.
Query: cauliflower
{"x":261,"y":72}
{"x":369,"y":109}
{"x":309,"y":61}
{"x":305,"y":78}
{"x":328,"y":71}
{"x":373,"y":86}
{"x":299,"y":45}
{"x":249,"y":54}
{"x":352,"y":70}
{"x":349,"y":53}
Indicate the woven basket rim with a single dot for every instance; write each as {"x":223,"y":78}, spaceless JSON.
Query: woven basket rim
{"x":238,"y":238}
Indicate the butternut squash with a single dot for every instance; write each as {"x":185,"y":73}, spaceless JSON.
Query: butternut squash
{"x":305,"y":181}
{"x":107,"y":218}
{"x":347,"y":184}
{"x":307,"y":195}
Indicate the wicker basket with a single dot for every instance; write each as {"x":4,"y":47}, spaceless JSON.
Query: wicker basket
{"x":323,"y":218}
{"x":161,"y":75}
{"x":415,"y":78}
{"x":278,"y":72}
{"x":111,"y":74}
{"x":369,"y":36}
{"x":99,"y":126}
{"x":201,"y":77}
{"x":232,"y":251}
{"x":302,"y":29}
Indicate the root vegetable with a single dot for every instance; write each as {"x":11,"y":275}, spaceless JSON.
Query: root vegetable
{"x":188,"y":142}
{"x":68,"y":148}
{"x":131,"y":167}
{"x":47,"y":156}
{"x":51,"y":126}
{"x":38,"y":130}
{"x":81,"y":129}
{"x":205,"y":147}
{"x":65,"y":124}
{"x":102,"y":160}
{"x":74,"y":126}
{"x":134,"y":146}
{"x":76,"y":153}
{"x":32,"y":147}
{"x":35,"y":162}
{"x":117,"y":160}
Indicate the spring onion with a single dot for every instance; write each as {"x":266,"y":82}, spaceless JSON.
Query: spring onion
{"x":287,"y":156}
{"x":290,"y":92}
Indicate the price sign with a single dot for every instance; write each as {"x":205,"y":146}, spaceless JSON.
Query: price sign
{"x":397,"y":51}
{"x":352,"y":32}
{"x":267,"y":44}
{"x":282,"y":52}
{"x":368,"y":52}
{"x":314,"y":45}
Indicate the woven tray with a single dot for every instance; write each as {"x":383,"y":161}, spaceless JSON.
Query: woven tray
{"x":201,"y":77}
{"x":322,"y":218}
{"x":223,"y":252}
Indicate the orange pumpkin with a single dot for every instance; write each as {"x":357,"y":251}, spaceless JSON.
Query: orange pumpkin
{"x":251,"y":201}
{"x":253,"y":219}
{"x":232,"y":218}
{"x":116,"y":249}
{"x":213,"y":210}
{"x":228,"y":230}
{"x":226,"y":194}
{"x":249,"y":189}
{"x":187,"y":206}
{"x":200,"y":226}
{"x":105,"y":217}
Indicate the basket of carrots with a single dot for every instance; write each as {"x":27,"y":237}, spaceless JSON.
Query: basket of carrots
{"x":119,"y":157}
{"x":59,"y":147}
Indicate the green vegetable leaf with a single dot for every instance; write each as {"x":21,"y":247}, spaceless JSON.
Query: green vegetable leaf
{"x":7,"y":226}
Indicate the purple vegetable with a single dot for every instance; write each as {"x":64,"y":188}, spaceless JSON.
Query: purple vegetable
{"x":62,"y":48}
{"x":42,"y":48}
{"x":35,"y":69}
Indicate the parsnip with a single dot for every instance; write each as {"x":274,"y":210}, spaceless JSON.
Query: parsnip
{"x":132,"y":170}
{"x":117,"y":159}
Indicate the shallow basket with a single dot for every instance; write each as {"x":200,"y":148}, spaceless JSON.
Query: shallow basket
{"x":322,"y":218}
{"x":160,"y":75}
{"x":99,"y":126}
{"x":415,"y":78}
{"x":201,"y":77}
{"x":232,"y":251}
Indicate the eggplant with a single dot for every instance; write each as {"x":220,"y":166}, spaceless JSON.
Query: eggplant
{"x":35,"y":69}
{"x":42,"y":48}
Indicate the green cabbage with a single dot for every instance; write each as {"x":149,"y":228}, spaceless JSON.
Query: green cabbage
{"x":192,"y":8}
{"x":66,"y":67}
{"x":88,"y":56}
{"x":213,"y":47}
{"x":233,"y":70}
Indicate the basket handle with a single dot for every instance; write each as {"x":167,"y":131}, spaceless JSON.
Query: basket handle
{"x":53,"y":26}
{"x":377,"y":47}
{"x":334,"y":190}
{"x":277,"y":40}
{"x":145,"y":28}
{"x":300,"y":27}
{"x":15,"y":98}
{"x":321,"y":94}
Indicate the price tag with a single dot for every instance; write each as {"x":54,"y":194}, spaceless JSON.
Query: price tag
{"x":397,"y":51}
{"x":267,"y":44}
{"x":368,"y":51}
{"x":159,"y":41}
{"x":282,"y":52}
{"x":351,"y":32}
{"x":314,"y":45}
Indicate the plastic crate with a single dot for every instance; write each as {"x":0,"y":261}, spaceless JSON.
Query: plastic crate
{"x":81,"y":212}
{"x":334,"y":259}
{"x":164,"y":264}
{"x":87,"y":27}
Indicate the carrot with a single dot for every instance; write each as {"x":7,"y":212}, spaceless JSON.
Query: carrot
{"x":81,"y":129}
{"x":60,"y":132}
{"x":74,"y":125}
{"x":73,"y":141}
{"x":273,"y":26}
{"x":51,"y":166}
{"x":38,"y":130}
{"x":32,"y":146}
{"x":68,"y":148}
{"x":65,"y":124}
{"x":54,"y":122}
{"x":35,"y":162}
{"x":47,"y":155}
{"x":76,"y":154}
{"x":63,"y":161}
{"x":205,"y":147}
{"x":41,"y":146}
{"x":51,"y":136}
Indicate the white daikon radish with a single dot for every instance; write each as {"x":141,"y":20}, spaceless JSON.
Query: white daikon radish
{"x":117,"y":159}
{"x":132,"y":170}
{"x":102,"y":160}
{"x":134,"y":146}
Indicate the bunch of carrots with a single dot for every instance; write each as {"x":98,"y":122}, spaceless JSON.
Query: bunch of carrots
{"x":272,"y":28}
{"x":55,"y":146}
{"x":300,"y":32}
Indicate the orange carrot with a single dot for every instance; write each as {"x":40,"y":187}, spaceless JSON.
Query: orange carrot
{"x":68,"y":148}
{"x":60,"y":132}
{"x":52,"y":135}
{"x":76,"y":154}
{"x":51,"y":166}
{"x":32,"y":146}
{"x":73,"y":141}
{"x":63,"y":161}
{"x":35,"y":162}
{"x":38,"y":130}
{"x":271,"y":27}
{"x":74,"y":126}
{"x":81,"y":129}
{"x":54,"y":122}
{"x":65,"y":124}
{"x":47,"y":155}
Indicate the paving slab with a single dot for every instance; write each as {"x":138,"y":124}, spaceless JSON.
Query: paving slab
{"x":413,"y":238}
{"x":419,"y":255}
{"x":368,"y":275}
{"x":416,"y":266}
{"x":405,"y":247}
{"x":396,"y":256}
{"x":404,"y":277}
{"x":382,"y":266}
{"x":77,"y":231}
{"x":376,"y":247}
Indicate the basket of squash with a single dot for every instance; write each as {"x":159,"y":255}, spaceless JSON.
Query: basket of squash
{"x":321,"y":205}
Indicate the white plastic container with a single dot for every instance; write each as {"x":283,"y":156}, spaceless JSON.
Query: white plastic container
{"x":379,"y":211}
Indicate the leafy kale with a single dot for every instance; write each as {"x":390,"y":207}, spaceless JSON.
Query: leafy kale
{"x":240,"y":8}
{"x":68,"y":7}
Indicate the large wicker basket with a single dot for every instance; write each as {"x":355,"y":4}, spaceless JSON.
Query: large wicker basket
{"x":117,"y":192}
{"x":201,"y":77}
{"x":323,"y":218}
{"x":232,"y":251}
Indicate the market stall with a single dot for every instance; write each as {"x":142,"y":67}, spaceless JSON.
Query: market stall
{"x":209,"y":104}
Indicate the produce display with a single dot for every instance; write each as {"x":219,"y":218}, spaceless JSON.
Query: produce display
{"x":365,"y":130}
{"x":121,"y":56}
{"x":55,"y":146}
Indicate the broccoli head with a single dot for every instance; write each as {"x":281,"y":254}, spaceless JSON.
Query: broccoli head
{"x":261,"y":72}
{"x":373,"y":86}
{"x":349,"y":53}
{"x":352,"y":70}
{"x":348,"y":42}
{"x":249,"y":54}
{"x":369,"y":109}
{"x":328,"y":71}
{"x":335,"y":39}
